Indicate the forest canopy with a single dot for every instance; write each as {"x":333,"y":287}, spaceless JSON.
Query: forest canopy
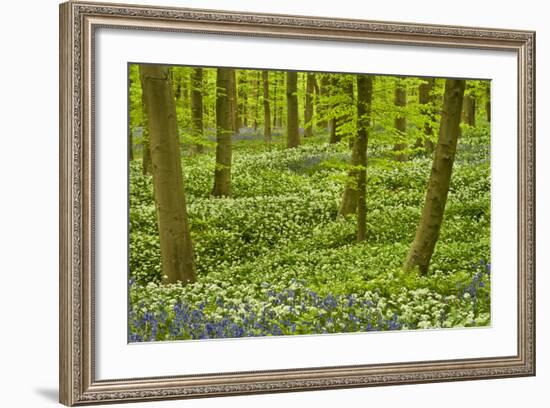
{"x":281,"y":202}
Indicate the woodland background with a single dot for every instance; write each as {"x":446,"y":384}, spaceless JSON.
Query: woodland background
{"x":275,"y":203}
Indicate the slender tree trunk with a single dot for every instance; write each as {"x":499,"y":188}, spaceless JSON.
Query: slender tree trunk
{"x":225,"y":128}
{"x":275,"y":88}
{"x":350,"y":118}
{"x":293,"y":137}
{"x":257,"y":100}
{"x":469,"y":112}
{"x":234,"y":102}
{"x":400,"y":123}
{"x":364,"y":103}
{"x":308,"y":109}
{"x":428,"y":229}
{"x":356,"y":182}
{"x":425,"y":98}
{"x":267,"y":108}
{"x":197,"y":126}
{"x":335,"y":137}
{"x":281,"y":105}
{"x":175,"y":239}
{"x":324,"y":84}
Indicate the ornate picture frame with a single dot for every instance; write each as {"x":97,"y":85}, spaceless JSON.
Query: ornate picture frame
{"x":79,"y":22}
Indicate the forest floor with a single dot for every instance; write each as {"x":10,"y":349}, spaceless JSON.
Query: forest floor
{"x":275,"y":259}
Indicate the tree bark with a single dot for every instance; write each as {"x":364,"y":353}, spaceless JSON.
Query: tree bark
{"x":175,"y":239}
{"x":335,"y":137}
{"x":224,"y":130}
{"x":400,"y":123}
{"x":324,"y":85}
{"x":427,"y":232}
{"x":425,"y":98}
{"x":308,"y":106}
{"x":354,"y":197}
{"x":364,"y":103}
{"x":234,"y":107}
{"x":267,"y":108}
{"x":469,"y":114}
{"x":293,"y":137}
{"x":197,"y":126}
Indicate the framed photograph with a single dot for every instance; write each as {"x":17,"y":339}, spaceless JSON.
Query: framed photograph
{"x":256,"y":203}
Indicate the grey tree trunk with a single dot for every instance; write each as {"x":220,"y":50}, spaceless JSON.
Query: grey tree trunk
{"x":197,"y":126}
{"x":469,"y":113}
{"x":308,"y":108}
{"x":353,"y":198}
{"x":427,"y":232}
{"x":324,"y":87}
{"x":234,"y":101}
{"x":225,"y":127}
{"x":335,"y":137}
{"x":425,"y":98}
{"x":175,"y":239}
{"x":400,"y":123}
{"x":293,"y":137}
{"x":267,"y":108}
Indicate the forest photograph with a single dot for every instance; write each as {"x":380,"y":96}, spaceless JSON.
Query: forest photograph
{"x":272,"y":203}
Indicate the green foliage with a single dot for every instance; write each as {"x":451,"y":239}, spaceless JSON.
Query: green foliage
{"x":276,"y":249}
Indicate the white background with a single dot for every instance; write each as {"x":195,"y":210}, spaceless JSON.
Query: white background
{"x":28,"y":215}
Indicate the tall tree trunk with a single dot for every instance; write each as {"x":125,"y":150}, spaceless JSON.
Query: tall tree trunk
{"x":267,"y":108}
{"x":257,"y":100}
{"x":356,"y":183}
{"x":428,"y":229}
{"x":425,"y":99}
{"x":175,"y":239}
{"x":469,"y":113}
{"x":350,"y":118}
{"x":275,"y":104}
{"x":335,"y":137}
{"x":324,"y":85}
{"x":225,"y":128}
{"x":400,"y":123}
{"x":308,"y":108}
{"x":364,"y":103}
{"x":293,"y":137}
{"x":197,"y":126}
{"x":234,"y":102}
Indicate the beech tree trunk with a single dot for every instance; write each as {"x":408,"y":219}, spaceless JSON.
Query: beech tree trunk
{"x":293,"y":137}
{"x":400,"y":123}
{"x":335,"y":137}
{"x":234,"y":102}
{"x":225,"y":128}
{"x":308,"y":108}
{"x":428,"y":229}
{"x":426,"y":99}
{"x":469,"y":114}
{"x":175,"y":239}
{"x":267,"y":108}
{"x":324,"y":85}
{"x":197,"y":126}
{"x":354,"y":197}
